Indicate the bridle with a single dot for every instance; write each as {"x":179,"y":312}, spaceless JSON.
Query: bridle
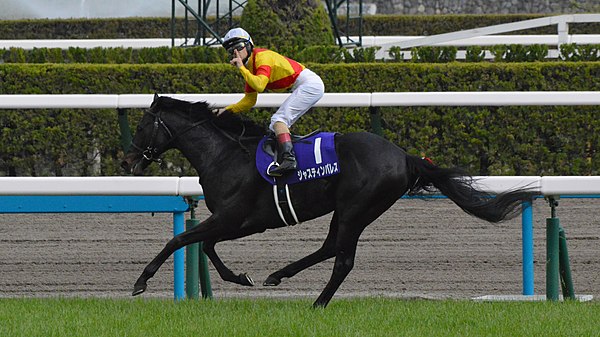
{"x":152,"y":153}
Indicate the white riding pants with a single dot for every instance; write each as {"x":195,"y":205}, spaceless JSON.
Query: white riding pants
{"x":306,"y":92}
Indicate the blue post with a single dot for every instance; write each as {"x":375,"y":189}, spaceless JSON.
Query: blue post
{"x":179,"y":259}
{"x":527,"y":241}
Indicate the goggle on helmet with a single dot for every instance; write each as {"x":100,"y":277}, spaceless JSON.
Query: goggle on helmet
{"x":237,"y":39}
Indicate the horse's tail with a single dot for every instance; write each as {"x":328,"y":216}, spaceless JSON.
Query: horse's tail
{"x":458,"y":186}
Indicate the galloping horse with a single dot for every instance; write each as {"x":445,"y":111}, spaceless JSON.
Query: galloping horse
{"x":374,"y":174}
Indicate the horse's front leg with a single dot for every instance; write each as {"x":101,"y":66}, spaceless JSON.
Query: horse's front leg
{"x":225,"y":273}
{"x":206,"y":231}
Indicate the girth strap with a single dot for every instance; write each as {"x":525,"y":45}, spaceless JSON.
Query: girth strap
{"x":283,"y":203}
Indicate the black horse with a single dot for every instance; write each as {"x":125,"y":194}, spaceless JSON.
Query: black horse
{"x":374,"y":174}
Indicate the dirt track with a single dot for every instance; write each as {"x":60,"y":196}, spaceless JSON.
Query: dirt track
{"x":418,"y":248}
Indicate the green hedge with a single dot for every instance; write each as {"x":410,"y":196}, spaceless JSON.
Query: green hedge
{"x":365,"y":77}
{"x":380,"y":25}
{"x":484,"y":140}
{"x":316,"y":54}
{"x":123,"y":28}
{"x":116,"y":55}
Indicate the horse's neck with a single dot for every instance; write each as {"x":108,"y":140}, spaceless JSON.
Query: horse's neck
{"x":214,"y":156}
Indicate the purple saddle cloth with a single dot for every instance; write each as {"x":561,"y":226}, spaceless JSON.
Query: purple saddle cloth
{"x":315,"y":155}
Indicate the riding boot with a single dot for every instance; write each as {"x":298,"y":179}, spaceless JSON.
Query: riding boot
{"x":287,"y":161}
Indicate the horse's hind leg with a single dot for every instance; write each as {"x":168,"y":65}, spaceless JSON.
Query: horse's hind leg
{"x":326,"y":251}
{"x":354,"y":218}
{"x":344,"y":262}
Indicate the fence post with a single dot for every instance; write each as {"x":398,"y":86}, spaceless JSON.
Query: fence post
{"x":179,"y":257}
{"x":205,"y":285}
{"x":375,"y":121}
{"x":552,"y":259}
{"x":566,"y":281}
{"x":125,"y":129}
{"x":191,"y":256}
{"x":527,"y":242}
{"x":197,"y":274}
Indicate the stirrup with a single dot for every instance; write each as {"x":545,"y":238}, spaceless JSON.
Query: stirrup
{"x":278,"y":171}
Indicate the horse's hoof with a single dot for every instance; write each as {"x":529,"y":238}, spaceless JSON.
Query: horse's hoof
{"x":138,"y":289}
{"x":319,"y":305}
{"x":271,"y":281}
{"x":246,"y":280}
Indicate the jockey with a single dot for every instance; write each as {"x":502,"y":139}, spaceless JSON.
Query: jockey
{"x":265,"y":69}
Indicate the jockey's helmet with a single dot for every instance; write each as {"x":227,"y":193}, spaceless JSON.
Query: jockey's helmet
{"x":237,"y":39}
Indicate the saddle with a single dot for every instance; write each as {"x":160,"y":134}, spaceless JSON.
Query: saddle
{"x":270,"y":145}
{"x":315,"y":154}
{"x":316,"y":158}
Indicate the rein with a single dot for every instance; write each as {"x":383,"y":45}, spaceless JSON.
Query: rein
{"x":151,"y":152}
{"x":238,"y":140}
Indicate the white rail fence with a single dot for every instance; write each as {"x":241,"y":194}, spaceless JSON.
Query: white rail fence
{"x":186,"y":186}
{"x":374,"y":99}
{"x":561,"y":21}
{"x":385,"y":42}
{"x":69,"y":186}
{"x":105,"y":195}
{"x":490,"y":36}
{"x":189,"y":186}
{"x":484,"y":36}
{"x":367,"y":41}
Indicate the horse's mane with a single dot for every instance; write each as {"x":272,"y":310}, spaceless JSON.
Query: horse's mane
{"x":198,"y":111}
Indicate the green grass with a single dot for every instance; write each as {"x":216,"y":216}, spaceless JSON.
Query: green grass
{"x":266,"y":317}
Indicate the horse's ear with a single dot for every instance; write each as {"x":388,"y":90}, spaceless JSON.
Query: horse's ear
{"x":154,"y":100}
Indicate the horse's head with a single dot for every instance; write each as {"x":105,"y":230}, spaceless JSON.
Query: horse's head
{"x":167,"y":119}
{"x":159,"y":128}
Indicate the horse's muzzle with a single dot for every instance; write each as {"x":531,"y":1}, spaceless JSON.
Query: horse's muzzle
{"x":125,"y":166}
{"x":132,"y":166}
